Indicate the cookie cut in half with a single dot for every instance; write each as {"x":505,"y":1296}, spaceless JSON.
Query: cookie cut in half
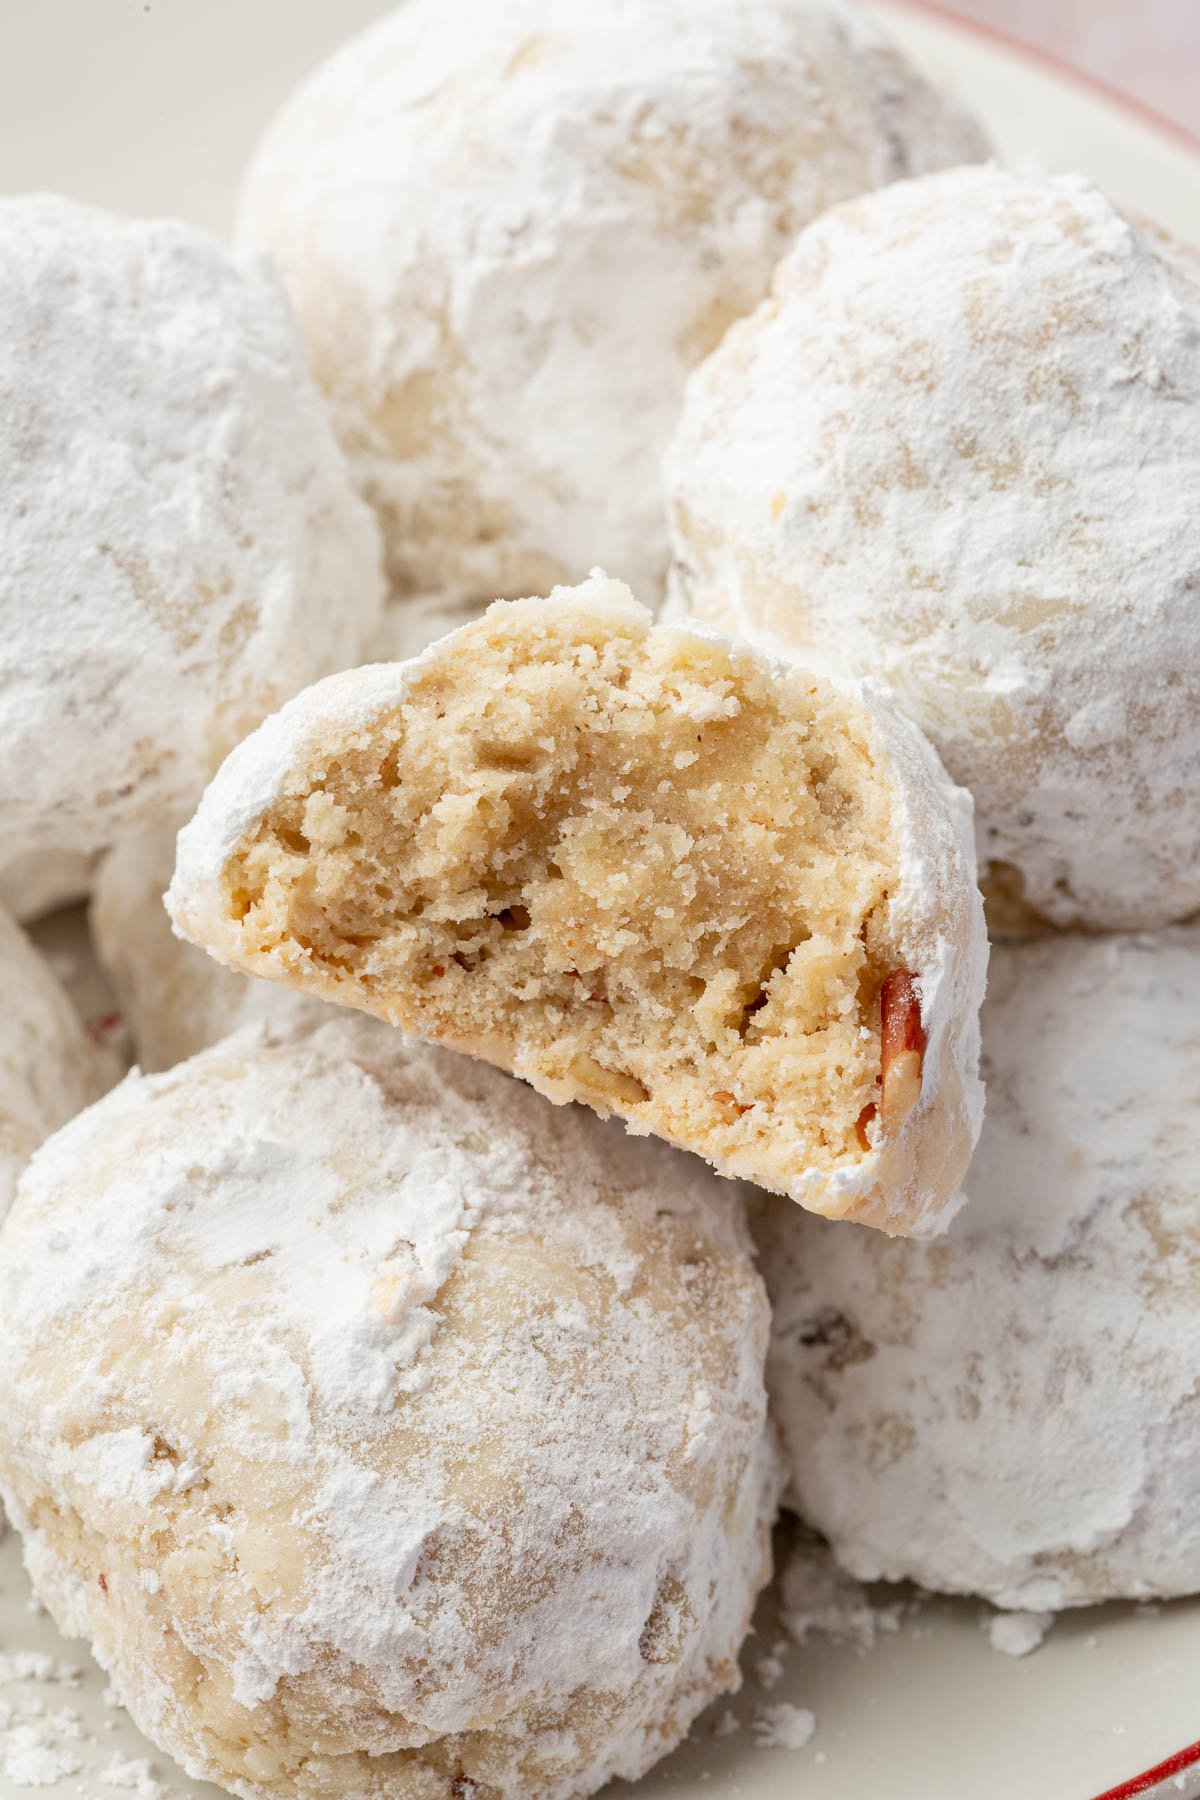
{"x":641,"y":866}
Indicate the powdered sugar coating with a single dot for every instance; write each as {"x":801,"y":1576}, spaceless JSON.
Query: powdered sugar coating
{"x":175,"y":999}
{"x":43,"y":881}
{"x":180,"y":545}
{"x":48,"y":1069}
{"x":957,"y":449}
{"x":510,"y":231}
{"x":1012,"y":1410}
{"x":449,"y":1468}
{"x":935,"y":917}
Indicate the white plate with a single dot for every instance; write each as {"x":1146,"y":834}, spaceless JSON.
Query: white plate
{"x":153,"y":107}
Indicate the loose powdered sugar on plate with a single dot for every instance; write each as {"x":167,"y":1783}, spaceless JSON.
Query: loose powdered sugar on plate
{"x":783,"y":1726}
{"x":1018,"y":1633}
{"x":50,"y":1732}
{"x":817,"y":1599}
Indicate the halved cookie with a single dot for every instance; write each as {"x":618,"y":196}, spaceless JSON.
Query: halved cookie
{"x":642,"y":867}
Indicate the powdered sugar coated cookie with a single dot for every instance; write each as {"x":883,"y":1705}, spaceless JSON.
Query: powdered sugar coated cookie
{"x":643,"y":867}
{"x":1011,"y":1410}
{"x":957,"y":450}
{"x":510,"y":231}
{"x":180,"y":546}
{"x":48,"y":1068}
{"x":449,"y":1471}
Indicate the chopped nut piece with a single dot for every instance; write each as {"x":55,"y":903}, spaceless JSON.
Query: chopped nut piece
{"x":903,"y":1048}
{"x":605,"y":1088}
{"x":733,"y":1108}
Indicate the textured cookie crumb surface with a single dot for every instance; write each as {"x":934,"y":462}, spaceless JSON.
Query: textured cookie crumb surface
{"x":639,"y":866}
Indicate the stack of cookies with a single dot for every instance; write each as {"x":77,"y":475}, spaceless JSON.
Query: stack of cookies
{"x":394,"y":1424}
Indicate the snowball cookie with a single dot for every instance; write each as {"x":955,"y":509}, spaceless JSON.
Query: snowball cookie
{"x":448,"y":1475}
{"x":510,"y":231}
{"x":180,"y":545}
{"x":175,"y":999}
{"x":1012,"y":1410}
{"x":38,"y":884}
{"x":48,"y":1068}
{"x":643,"y":867}
{"x":957,"y":449}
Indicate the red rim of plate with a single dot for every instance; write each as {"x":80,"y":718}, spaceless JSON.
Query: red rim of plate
{"x":1144,"y":114}
{"x":1189,"y":1758}
{"x":1163,"y":1771}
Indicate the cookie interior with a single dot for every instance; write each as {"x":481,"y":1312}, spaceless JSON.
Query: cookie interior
{"x":636,"y":865}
